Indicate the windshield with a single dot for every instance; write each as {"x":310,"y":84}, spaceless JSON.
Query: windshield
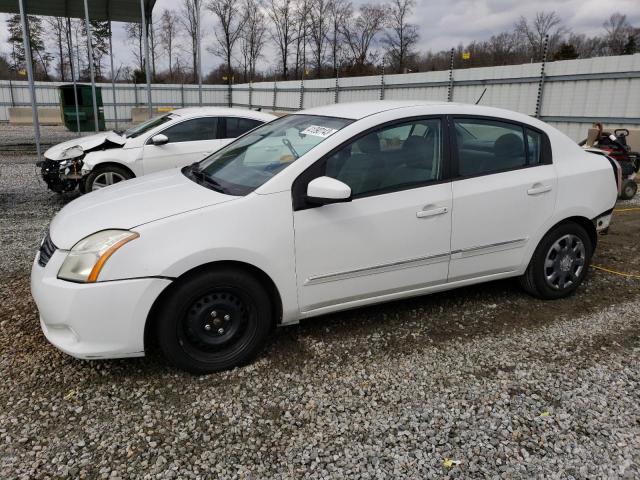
{"x":247,"y":163}
{"x":133,"y":132}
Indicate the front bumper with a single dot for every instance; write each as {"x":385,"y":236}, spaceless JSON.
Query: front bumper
{"x":61,"y":176}
{"x":93,"y":320}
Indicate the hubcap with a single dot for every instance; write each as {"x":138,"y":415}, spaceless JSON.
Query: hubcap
{"x":564,"y":263}
{"x":105,"y":179}
{"x":213,"y":322}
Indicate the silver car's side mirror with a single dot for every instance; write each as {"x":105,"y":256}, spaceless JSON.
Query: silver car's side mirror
{"x":159,"y":139}
{"x":324,"y":190}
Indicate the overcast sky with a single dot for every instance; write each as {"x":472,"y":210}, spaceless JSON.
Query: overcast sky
{"x":442,"y":23}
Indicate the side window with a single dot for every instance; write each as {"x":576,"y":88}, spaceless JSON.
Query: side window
{"x":393,"y":157}
{"x":204,"y":128}
{"x":237,"y":126}
{"x":534,"y":146}
{"x":486,"y":146}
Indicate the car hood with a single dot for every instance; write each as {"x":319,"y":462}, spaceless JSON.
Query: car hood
{"x":129,"y":204}
{"x":112,"y":139}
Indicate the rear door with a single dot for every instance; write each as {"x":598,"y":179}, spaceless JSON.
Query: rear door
{"x":504,"y":189}
{"x":233,"y":127}
{"x":189,"y":141}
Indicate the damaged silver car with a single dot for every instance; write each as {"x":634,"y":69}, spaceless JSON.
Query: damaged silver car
{"x":174,"y":140}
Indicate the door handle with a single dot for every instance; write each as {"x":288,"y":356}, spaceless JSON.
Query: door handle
{"x":431,"y":212}
{"x":537,"y":189}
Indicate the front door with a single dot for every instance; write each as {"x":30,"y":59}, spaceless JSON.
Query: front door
{"x":393,"y":237}
{"x":189,"y":141}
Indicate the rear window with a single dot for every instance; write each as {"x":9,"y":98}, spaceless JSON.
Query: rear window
{"x":237,"y":126}
{"x":485,"y":146}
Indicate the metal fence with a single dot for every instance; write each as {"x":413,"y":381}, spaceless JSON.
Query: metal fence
{"x":568,"y":94}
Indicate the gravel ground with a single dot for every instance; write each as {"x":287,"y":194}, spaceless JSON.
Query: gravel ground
{"x":479,"y":382}
{"x":17,"y":134}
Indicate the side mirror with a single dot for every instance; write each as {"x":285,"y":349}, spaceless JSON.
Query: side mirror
{"x":159,"y":139}
{"x":324,"y":190}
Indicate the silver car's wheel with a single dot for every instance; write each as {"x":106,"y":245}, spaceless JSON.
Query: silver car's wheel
{"x":106,"y":176}
{"x":105,"y":179}
{"x":564,"y":262}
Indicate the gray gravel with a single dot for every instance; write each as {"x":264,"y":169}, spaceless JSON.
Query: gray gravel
{"x":508,"y":386}
{"x":18,"y":134}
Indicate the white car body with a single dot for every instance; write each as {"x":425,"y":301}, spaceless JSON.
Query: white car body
{"x":450,"y":233}
{"x":140,"y":156}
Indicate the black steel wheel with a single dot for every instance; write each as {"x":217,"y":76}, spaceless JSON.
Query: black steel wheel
{"x":214,"y":320}
{"x":559,"y":263}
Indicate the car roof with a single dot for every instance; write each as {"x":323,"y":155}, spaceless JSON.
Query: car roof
{"x":222,"y":111}
{"x":359,"y":110}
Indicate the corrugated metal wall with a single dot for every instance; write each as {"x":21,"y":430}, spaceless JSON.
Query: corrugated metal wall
{"x":575,"y":94}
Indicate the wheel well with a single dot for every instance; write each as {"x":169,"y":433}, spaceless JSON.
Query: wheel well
{"x":259,"y":274}
{"x":100,"y":166}
{"x":584,"y":223}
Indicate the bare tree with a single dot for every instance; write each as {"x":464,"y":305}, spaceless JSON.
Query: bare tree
{"x":169,"y":31}
{"x":153,"y":26}
{"x":502,"y":48}
{"x":544,"y":23}
{"x":319,"y":31}
{"x":617,"y":30}
{"x":281,"y":14}
{"x":189,"y":17}
{"x":339,"y":12}
{"x":100,"y":32}
{"x":302,"y":23}
{"x":134,"y":32}
{"x":58,"y":32}
{"x":402,"y":36}
{"x":253,"y":38}
{"x":360,"y":32}
{"x":40,"y":57}
{"x":228,"y":31}
{"x":587,"y":46}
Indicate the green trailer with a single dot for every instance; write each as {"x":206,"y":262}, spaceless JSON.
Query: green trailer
{"x":85,"y":108}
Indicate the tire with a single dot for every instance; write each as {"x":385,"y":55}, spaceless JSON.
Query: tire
{"x":214,"y":320}
{"x":628,"y":190}
{"x":566,"y":252}
{"x":104,"y":176}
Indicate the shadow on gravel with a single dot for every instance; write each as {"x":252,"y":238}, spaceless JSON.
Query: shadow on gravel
{"x":401,"y":327}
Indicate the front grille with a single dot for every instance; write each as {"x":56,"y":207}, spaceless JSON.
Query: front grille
{"x":46,"y":250}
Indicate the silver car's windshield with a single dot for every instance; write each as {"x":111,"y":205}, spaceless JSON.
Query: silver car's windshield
{"x":250,"y":161}
{"x":148,"y":125}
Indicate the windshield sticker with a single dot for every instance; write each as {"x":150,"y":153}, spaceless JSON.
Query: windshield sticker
{"x":318,"y":131}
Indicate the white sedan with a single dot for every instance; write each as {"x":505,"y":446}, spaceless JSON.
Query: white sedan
{"x":176,"y":139}
{"x":323,"y":210}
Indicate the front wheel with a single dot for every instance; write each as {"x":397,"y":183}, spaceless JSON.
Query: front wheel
{"x":214,"y":320}
{"x":105,"y":176}
{"x":559,"y":264}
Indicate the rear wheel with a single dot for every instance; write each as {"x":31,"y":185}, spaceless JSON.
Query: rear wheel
{"x":105,"y":176}
{"x":214,"y":320}
{"x":560,"y":262}
{"x":628,"y":190}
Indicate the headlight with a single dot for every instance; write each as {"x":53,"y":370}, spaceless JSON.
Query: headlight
{"x":87,"y":257}
{"x":72,"y":152}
